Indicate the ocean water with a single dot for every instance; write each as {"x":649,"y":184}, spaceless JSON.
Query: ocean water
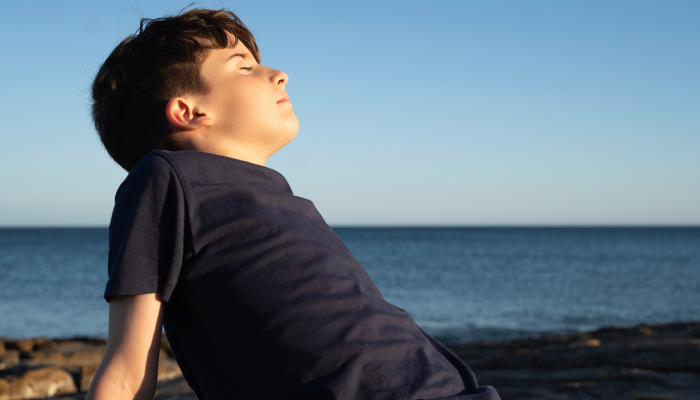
{"x":460,"y":284}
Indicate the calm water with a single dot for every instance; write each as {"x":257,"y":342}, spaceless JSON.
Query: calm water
{"x":459,"y":284}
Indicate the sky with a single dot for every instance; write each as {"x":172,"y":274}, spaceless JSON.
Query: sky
{"x":412,"y":113}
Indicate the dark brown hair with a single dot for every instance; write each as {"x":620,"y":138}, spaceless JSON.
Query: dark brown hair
{"x":162,"y":60}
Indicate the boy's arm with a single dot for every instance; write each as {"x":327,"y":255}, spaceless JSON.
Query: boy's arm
{"x":129,"y":369}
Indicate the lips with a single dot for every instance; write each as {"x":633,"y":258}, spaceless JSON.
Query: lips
{"x":283,"y":100}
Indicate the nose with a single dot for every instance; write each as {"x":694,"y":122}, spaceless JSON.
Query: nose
{"x":279,"y":78}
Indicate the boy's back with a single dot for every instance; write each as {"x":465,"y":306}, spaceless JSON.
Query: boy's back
{"x":263,"y":299}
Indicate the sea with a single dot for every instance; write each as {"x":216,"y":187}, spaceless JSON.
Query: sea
{"x":459,"y":284}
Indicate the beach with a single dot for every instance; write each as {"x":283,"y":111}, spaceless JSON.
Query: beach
{"x":658,"y":362}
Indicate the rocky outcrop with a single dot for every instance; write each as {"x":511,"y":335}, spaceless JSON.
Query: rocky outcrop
{"x":644,"y":363}
{"x":87,"y":372}
{"x":37,"y":383}
{"x":42,"y":367}
{"x":678,"y":354}
{"x":648,"y":362}
{"x":9,"y":359}
{"x":66,"y":353}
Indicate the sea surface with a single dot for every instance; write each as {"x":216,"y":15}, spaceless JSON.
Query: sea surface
{"x":460,"y":284}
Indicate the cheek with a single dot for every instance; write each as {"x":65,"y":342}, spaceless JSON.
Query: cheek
{"x":252,"y":109}
{"x":235,"y":107}
{"x":258,"y":109}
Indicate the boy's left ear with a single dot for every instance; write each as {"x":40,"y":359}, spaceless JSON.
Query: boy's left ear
{"x":184,"y":115}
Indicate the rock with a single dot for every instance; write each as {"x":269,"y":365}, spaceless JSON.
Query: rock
{"x":2,"y":347}
{"x":664,"y":396}
{"x":4,"y":389}
{"x":87,"y":372}
{"x":163,"y":354}
{"x":67,"y":353}
{"x":659,"y":362}
{"x":165,"y":346}
{"x":534,"y":376}
{"x":24,"y":345}
{"x":168,"y":369}
{"x":586,"y":343}
{"x":643,"y":363}
{"x":37,"y":383}
{"x":668,"y":354}
{"x":174,"y":389}
{"x":10,"y":358}
{"x":550,"y":357}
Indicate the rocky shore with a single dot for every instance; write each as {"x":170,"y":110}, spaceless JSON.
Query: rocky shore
{"x":43,"y":367}
{"x":659,"y":362}
{"x":645,"y":363}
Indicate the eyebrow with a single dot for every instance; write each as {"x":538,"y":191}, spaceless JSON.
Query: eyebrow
{"x":242,"y":55}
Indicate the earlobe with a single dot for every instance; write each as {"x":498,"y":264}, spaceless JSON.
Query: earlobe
{"x":183,"y":115}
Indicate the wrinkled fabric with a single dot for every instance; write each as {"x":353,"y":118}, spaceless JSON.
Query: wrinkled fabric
{"x":262,"y":298}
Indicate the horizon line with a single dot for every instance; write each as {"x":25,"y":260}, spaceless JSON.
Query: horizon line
{"x":413,"y":226}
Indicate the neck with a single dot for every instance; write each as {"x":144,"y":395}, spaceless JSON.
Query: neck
{"x":238,"y":152}
{"x":251,"y":158}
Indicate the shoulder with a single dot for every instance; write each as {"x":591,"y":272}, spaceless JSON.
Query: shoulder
{"x":155,"y":172}
{"x":155,"y":162}
{"x":184,"y":162}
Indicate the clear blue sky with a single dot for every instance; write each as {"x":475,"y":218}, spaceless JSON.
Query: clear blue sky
{"x":411,"y":113}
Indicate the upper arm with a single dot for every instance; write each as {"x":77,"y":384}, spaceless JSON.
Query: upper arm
{"x":129,"y":368}
{"x":147,"y":231}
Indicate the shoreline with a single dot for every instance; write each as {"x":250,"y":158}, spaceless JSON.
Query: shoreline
{"x":647,"y":362}
{"x":448,"y":340}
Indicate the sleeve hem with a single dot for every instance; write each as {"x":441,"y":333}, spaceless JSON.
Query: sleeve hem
{"x":132,"y":287}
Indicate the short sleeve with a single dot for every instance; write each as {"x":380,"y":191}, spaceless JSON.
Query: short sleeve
{"x":146,"y":233}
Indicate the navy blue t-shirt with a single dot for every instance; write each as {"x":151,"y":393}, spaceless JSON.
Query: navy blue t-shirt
{"x":262,"y":299}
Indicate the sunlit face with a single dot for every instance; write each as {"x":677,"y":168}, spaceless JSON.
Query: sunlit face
{"x":248,"y":101}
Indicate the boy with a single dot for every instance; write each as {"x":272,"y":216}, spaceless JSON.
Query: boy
{"x":258,"y":297}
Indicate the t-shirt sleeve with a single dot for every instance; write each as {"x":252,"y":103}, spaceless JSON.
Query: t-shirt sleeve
{"x":147,"y":231}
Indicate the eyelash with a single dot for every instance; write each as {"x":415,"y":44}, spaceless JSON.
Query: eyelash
{"x":246,"y":68}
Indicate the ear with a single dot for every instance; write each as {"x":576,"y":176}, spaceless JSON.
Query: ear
{"x":184,"y":115}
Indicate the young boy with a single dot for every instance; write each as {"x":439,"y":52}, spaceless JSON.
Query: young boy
{"x":259,"y":298}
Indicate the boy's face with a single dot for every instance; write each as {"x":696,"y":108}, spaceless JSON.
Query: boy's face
{"x":248,"y":101}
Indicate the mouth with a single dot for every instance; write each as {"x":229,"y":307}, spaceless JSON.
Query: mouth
{"x":284,"y":99}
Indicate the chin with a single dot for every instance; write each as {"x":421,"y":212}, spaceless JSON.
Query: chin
{"x":288,"y":137}
{"x":283,"y":136}
{"x":290,"y":130}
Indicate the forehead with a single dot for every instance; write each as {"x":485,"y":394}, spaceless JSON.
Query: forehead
{"x":238,"y":44}
{"x":237,"y":48}
{"x":218,"y":62}
{"x":222,"y":55}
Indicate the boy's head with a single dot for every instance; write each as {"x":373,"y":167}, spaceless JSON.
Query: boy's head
{"x":191,"y":81}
